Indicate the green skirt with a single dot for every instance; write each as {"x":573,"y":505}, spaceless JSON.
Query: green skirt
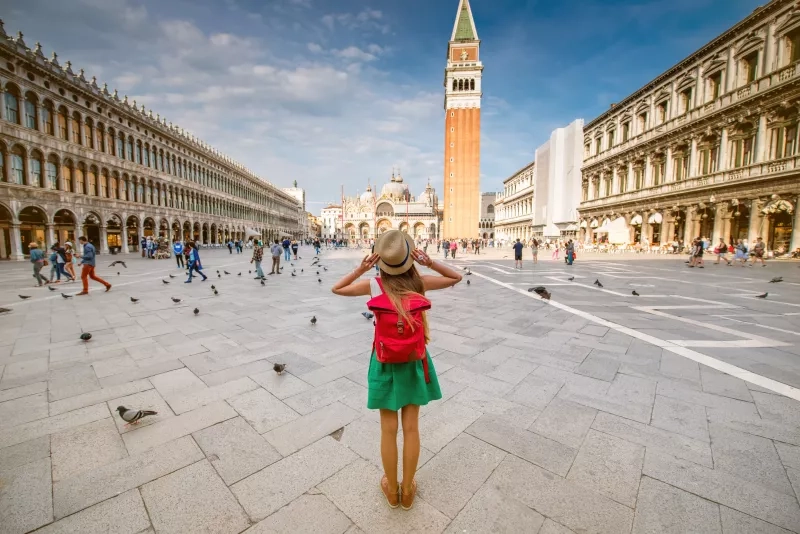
{"x":394,"y":385}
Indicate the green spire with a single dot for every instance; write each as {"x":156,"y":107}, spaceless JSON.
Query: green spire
{"x":464,"y":28}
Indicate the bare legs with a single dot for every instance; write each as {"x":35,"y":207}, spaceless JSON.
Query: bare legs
{"x":389,"y":427}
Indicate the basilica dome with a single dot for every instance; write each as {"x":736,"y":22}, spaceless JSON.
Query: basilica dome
{"x":366,"y":196}
{"x":396,"y":189}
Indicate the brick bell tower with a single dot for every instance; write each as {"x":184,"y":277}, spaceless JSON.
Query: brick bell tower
{"x":462,"y":137}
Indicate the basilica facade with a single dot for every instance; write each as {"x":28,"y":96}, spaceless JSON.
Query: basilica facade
{"x":78,"y":160}
{"x":372,"y":213}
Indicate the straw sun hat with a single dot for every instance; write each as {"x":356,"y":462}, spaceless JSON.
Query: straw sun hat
{"x":394,"y":248}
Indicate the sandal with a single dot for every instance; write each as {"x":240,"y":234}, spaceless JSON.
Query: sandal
{"x":385,"y":490}
{"x":407,"y":503}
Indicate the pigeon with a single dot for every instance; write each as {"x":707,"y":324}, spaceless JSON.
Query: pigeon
{"x":279,"y":367}
{"x":196,"y":311}
{"x":4,"y":310}
{"x":262,"y":282}
{"x":66,"y":296}
{"x":134,"y":300}
{"x":368,"y":315}
{"x":571,"y":278}
{"x":240,"y":274}
{"x":216,"y":292}
{"x":217,"y":272}
{"x":172,"y":276}
{"x":51,"y":288}
{"x":317,"y":273}
{"x":213,"y":287}
{"x":467,"y":282}
{"x":118,"y":262}
{"x":176,"y":300}
{"x":302,"y":270}
{"x":294,"y":274}
{"x":776,"y":280}
{"x":24,"y":297}
{"x":319,"y":280}
{"x":249,"y":272}
{"x":325,"y":268}
{"x":219,"y":275}
{"x":281,"y":268}
{"x":597,"y":283}
{"x":117,"y":273}
{"x":314,"y":320}
{"x":86,"y":336}
{"x":762,"y":296}
{"x":463,"y":268}
{"x":634,"y":293}
{"x":299,"y":257}
{"x":164,"y":281}
{"x":132,"y":417}
{"x":226,"y":272}
{"x":292,"y":264}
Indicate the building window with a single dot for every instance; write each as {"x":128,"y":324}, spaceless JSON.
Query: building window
{"x":92,"y":179}
{"x":598,"y":145}
{"x":17,"y":168}
{"x":743,"y":150}
{"x":607,"y":187}
{"x":120,"y":148}
{"x":76,"y":129}
{"x":749,"y":66}
{"x":658,"y":171}
{"x":52,"y":175}
{"x":626,"y":131}
{"x":783,"y":140}
{"x":642,"y":121}
{"x":623,"y":179}
{"x":129,"y":149}
{"x":585,"y":193}
{"x":146,"y":156}
{"x":681,"y":166}
{"x":12,"y":107}
{"x":662,"y":110}
{"x":36,"y":171}
{"x":638,"y":177}
{"x":104,"y":185}
{"x":686,"y":100}
{"x":714,"y":86}
{"x":47,"y":118}
{"x":793,"y":45}
{"x":611,"y":134}
{"x":587,"y":149}
{"x":87,"y":133}
{"x":30,"y":114}
{"x":62,"y":124}
{"x":138,"y":153}
{"x":709,"y":154}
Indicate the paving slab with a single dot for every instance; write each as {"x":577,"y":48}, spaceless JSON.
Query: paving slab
{"x":513,"y":370}
{"x":23,"y":410}
{"x":50,"y":425}
{"x":565,"y":502}
{"x":313,"y":514}
{"x":263,"y":493}
{"x":333,"y":371}
{"x":492,"y":511}
{"x":516,"y":414}
{"x":141,"y":372}
{"x":551,"y":527}
{"x":544,"y":452}
{"x":24,"y":453}
{"x":23,"y":373}
{"x":85,"y":447}
{"x":363,"y":436}
{"x":283,"y":385}
{"x":235,"y":449}
{"x":316,"y":398}
{"x":666,"y":509}
{"x":735,"y":522}
{"x":187,"y":400}
{"x":142,"y":439}
{"x":721,"y":487}
{"x":680,"y":417}
{"x":356,"y":492}
{"x":535,"y":392}
{"x":171,"y":382}
{"x":708,"y":400}
{"x":232,"y":373}
{"x":124,"y":514}
{"x":262,"y":410}
{"x":609,"y":466}
{"x":26,"y":500}
{"x":97,"y":396}
{"x":307,"y":429}
{"x":725,"y":385}
{"x":565,"y":422}
{"x":23,"y":391}
{"x":443,"y":423}
{"x":193,"y":499}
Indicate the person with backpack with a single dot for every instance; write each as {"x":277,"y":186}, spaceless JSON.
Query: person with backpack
{"x":401,"y":374}
{"x":177,"y":248}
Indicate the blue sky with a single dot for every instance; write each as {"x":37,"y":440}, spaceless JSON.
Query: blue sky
{"x":336,"y":92}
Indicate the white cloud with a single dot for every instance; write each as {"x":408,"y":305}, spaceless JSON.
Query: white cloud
{"x":355,"y":54}
{"x":314,"y":47}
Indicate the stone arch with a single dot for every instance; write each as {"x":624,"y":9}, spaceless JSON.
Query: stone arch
{"x":383,"y":225}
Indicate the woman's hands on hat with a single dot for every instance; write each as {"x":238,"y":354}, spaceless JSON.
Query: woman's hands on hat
{"x":422,"y":258}
{"x":368,"y":263}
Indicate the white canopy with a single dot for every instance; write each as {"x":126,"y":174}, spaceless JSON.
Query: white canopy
{"x":637,"y":219}
{"x":655,"y":218}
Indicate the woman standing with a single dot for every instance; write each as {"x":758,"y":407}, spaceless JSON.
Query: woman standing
{"x":295,"y":247}
{"x":535,"y":250}
{"x":404,"y":386}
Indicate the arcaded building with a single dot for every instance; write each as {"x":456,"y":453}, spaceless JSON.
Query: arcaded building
{"x":514,"y":206}
{"x":462,"y":137}
{"x":76,"y":159}
{"x":707,"y":149}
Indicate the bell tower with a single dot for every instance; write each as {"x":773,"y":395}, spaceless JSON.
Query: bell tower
{"x":462,"y":137}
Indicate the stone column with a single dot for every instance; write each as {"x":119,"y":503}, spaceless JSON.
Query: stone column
{"x":3,"y":246}
{"x":590,"y":189}
{"x":16,"y":243}
{"x":688,"y":227}
{"x":40,"y":119}
{"x":69,"y":126}
{"x":723,"y":151}
{"x":124,"y":237}
{"x":7,"y":165}
{"x":718,"y":224}
{"x":51,"y":236}
{"x":3,"y":105}
{"x":648,"y":171}
{"x":795,"y":244}
{"x":693,"y":171}
{"x":629,"y":177}
{"x":614,"y":181}
{"x":761,"y":139}
{"x":668,"y":173}
{"x":753,"y":229}
{"x":104,"y":239}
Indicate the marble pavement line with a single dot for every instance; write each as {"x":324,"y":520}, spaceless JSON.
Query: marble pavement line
{"x":748,"y":376}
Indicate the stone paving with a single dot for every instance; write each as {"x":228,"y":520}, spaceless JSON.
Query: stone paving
{"x":596,"y":412}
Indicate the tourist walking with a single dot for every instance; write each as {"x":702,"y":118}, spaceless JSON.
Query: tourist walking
{"x":195,"y":266}
{"x":276,"y":252}
{"x":55,"y":273}
{"x":535,"y":250}
{"x":758,"y":253}
{"x":554,"y":256}
{"x":38,"y":261}
{"x":740,"y":252}
{"x":70,"y":261}
{"x":453,"y":248}
{"x":397,"y":380}
{"x":287,"y":253}
{"x":518,"y":254}
{"x":177,"y":248}
{"x":722,"y":252}
{"x":258,"y":255}
{"x":295,"y":247}
{"x":446,"y":247}
{"x":570,"y":252}
{"x":88,"y":263}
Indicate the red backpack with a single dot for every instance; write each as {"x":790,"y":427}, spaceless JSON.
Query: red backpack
{"x":395,"y":341}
